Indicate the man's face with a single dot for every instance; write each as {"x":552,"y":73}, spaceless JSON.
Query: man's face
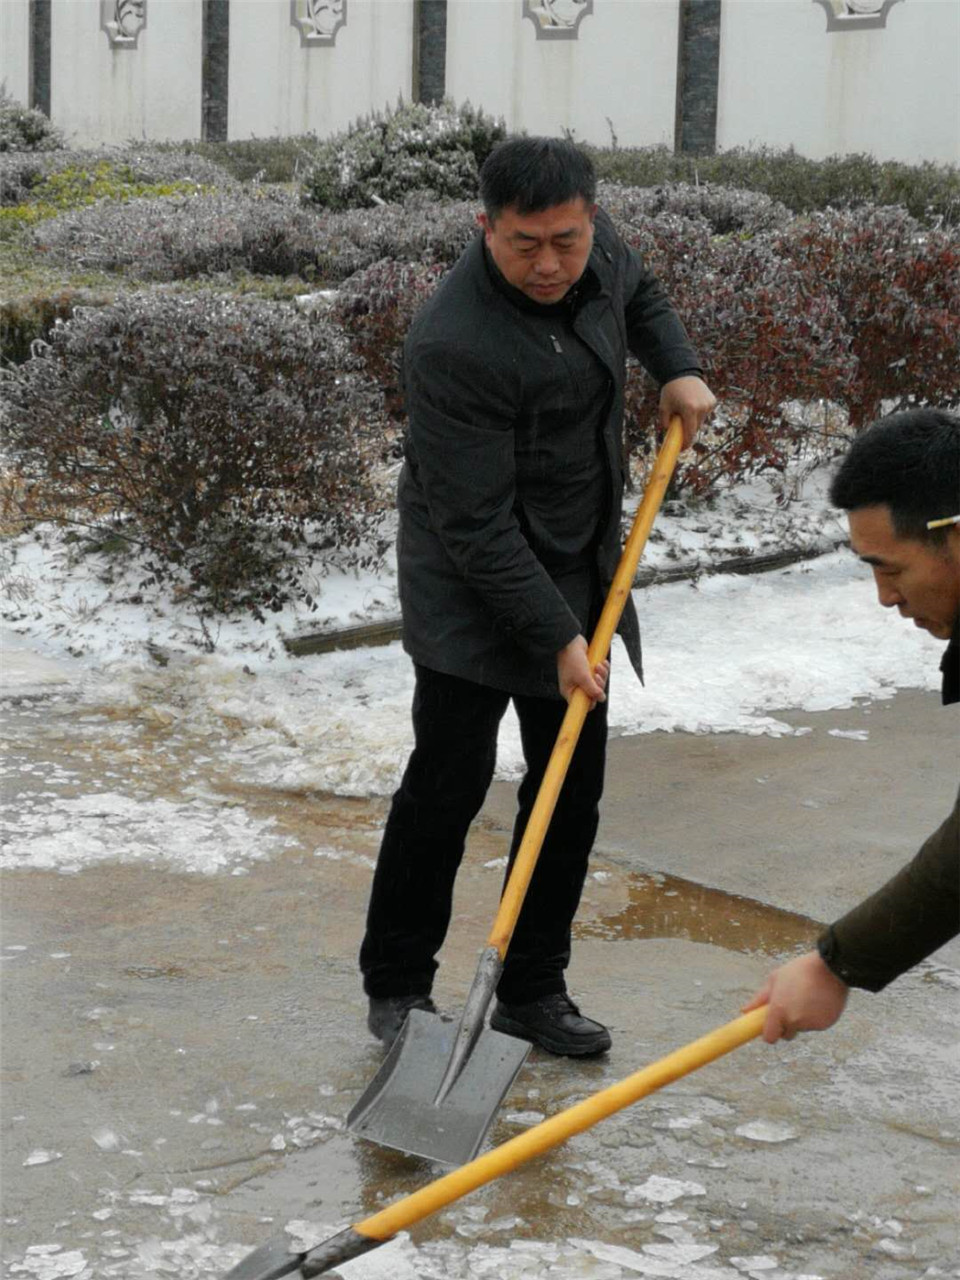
{"x":922,"y":579}
{"x":542,"y":254}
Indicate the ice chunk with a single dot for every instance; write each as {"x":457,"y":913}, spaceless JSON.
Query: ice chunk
{"x":682,"y":1254}
{"x":766,"y":1131}
{"x":525,"y":1117}
{"x":107,"y":1140}
{"x":47,"y":1262}
{"x":657,"y":1190}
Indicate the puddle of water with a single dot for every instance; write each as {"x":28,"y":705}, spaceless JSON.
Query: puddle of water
{"x":79,"y":750}
{"x":663,"y":906}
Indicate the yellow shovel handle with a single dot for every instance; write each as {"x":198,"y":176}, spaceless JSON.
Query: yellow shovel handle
{"x":579,"y":705}
{"x":550,"y":1133}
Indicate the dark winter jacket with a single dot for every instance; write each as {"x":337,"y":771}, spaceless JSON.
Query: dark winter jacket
{"x":915,"y":912}
{"x":510,"y":495}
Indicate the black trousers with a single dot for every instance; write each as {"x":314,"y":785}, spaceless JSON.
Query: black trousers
{"x":455,"y":726}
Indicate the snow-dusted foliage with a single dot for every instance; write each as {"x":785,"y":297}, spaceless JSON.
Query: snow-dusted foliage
{"x":725,"y":209}
{"x":178,"y":237}
{"x":226,"y":436}
{"x":264,"y":232}
{"x":24,"y":175}
{"x":420,"y":229}
{"x":764,"y":335}
{"x":415,"y":147}
{"x":376,"y":306}
{"x":24,"y":129}
{"x":897,"y":285}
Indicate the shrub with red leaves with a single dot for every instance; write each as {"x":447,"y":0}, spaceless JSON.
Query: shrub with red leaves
{"x":376,"y":306}
{"x":229,"y":438}
{"x":897,"y":286}
{"x":764,"y":338}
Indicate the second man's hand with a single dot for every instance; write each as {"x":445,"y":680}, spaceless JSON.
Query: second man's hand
{"x":802,"y":995}
{"x":574,"y":672}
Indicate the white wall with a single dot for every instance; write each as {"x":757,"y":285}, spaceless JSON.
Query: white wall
{"x":784,"y":79}
{"x":15,"y":48}
{"x":622,"y":67}
{"x":892,"y":92}
{"x":279,"y":87}
{"x":103,"y":95}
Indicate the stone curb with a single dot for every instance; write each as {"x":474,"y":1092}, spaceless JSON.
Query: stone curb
{"x":377,"y":633}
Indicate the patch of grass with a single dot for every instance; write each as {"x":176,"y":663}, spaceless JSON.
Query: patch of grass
{"x":23,"y":270}
{"x":77,"y":186}
{"x":267,"y":160}
{"x":34,"y":294}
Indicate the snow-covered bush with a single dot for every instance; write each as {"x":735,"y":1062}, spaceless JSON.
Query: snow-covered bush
{"x":265,"y":232}
{"x":176,"y":238}
{"x":419,"y":230}
{"x":860,"y":307}
{"x":725,"y":209}
{"x":930,"y":191}
{"x":25,"y":128}
{"x":227,"y":437}
{"x":765,"y":337}
{"x":897,"y":286}
{"x":376,"y":305}
{"x":415,"y":147}
{"x":271,"y":159}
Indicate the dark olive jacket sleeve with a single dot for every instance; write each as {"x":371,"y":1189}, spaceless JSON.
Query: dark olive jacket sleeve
{"x":906,"y":920}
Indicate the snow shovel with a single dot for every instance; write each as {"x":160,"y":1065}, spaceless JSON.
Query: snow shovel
{"x":274,"y":1259}
{"x":439,"y":1087}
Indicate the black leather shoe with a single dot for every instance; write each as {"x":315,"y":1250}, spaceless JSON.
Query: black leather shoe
{"x":554,"y":1023}
{"x":386,"y":1017}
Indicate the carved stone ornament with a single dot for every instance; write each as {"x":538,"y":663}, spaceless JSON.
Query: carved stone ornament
{"x":557,"y":19}
{"x":123,"y":20}
{"x":856,"y":15}
{"x":318,"y":21}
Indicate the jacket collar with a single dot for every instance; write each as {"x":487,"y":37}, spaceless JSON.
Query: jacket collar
{"x":950,"y":666}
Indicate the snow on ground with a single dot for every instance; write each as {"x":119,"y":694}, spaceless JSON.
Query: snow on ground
{"x":68,"y":833}
{"x":399,"y":1259}
{"x":85,"y":656}
{"x":722,"y":653}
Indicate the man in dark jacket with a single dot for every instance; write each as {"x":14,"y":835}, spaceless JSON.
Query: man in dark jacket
{"x":900,"y":482}
{"x":510,"y":501}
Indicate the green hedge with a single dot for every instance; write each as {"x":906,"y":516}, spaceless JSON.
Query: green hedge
{"x":930,"y":192}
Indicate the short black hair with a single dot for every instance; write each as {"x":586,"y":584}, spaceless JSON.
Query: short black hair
{"x":533,"y":174}
{"x":909,"y":462}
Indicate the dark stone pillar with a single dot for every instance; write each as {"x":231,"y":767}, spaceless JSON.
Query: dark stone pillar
{"x":698,"y":77}
{"x":40,"y":55}
{"x":216,"y":70}
{"x":429,"y":50}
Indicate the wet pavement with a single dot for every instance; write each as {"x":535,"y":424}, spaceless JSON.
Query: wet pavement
{"x":180,"y":1048}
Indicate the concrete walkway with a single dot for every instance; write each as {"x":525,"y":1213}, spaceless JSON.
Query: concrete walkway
{"x":179,"y":1051}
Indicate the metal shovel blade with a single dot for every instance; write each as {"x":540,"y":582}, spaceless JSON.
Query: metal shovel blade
{"x":398,"y":1107}
{"x":271,"y":1261}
